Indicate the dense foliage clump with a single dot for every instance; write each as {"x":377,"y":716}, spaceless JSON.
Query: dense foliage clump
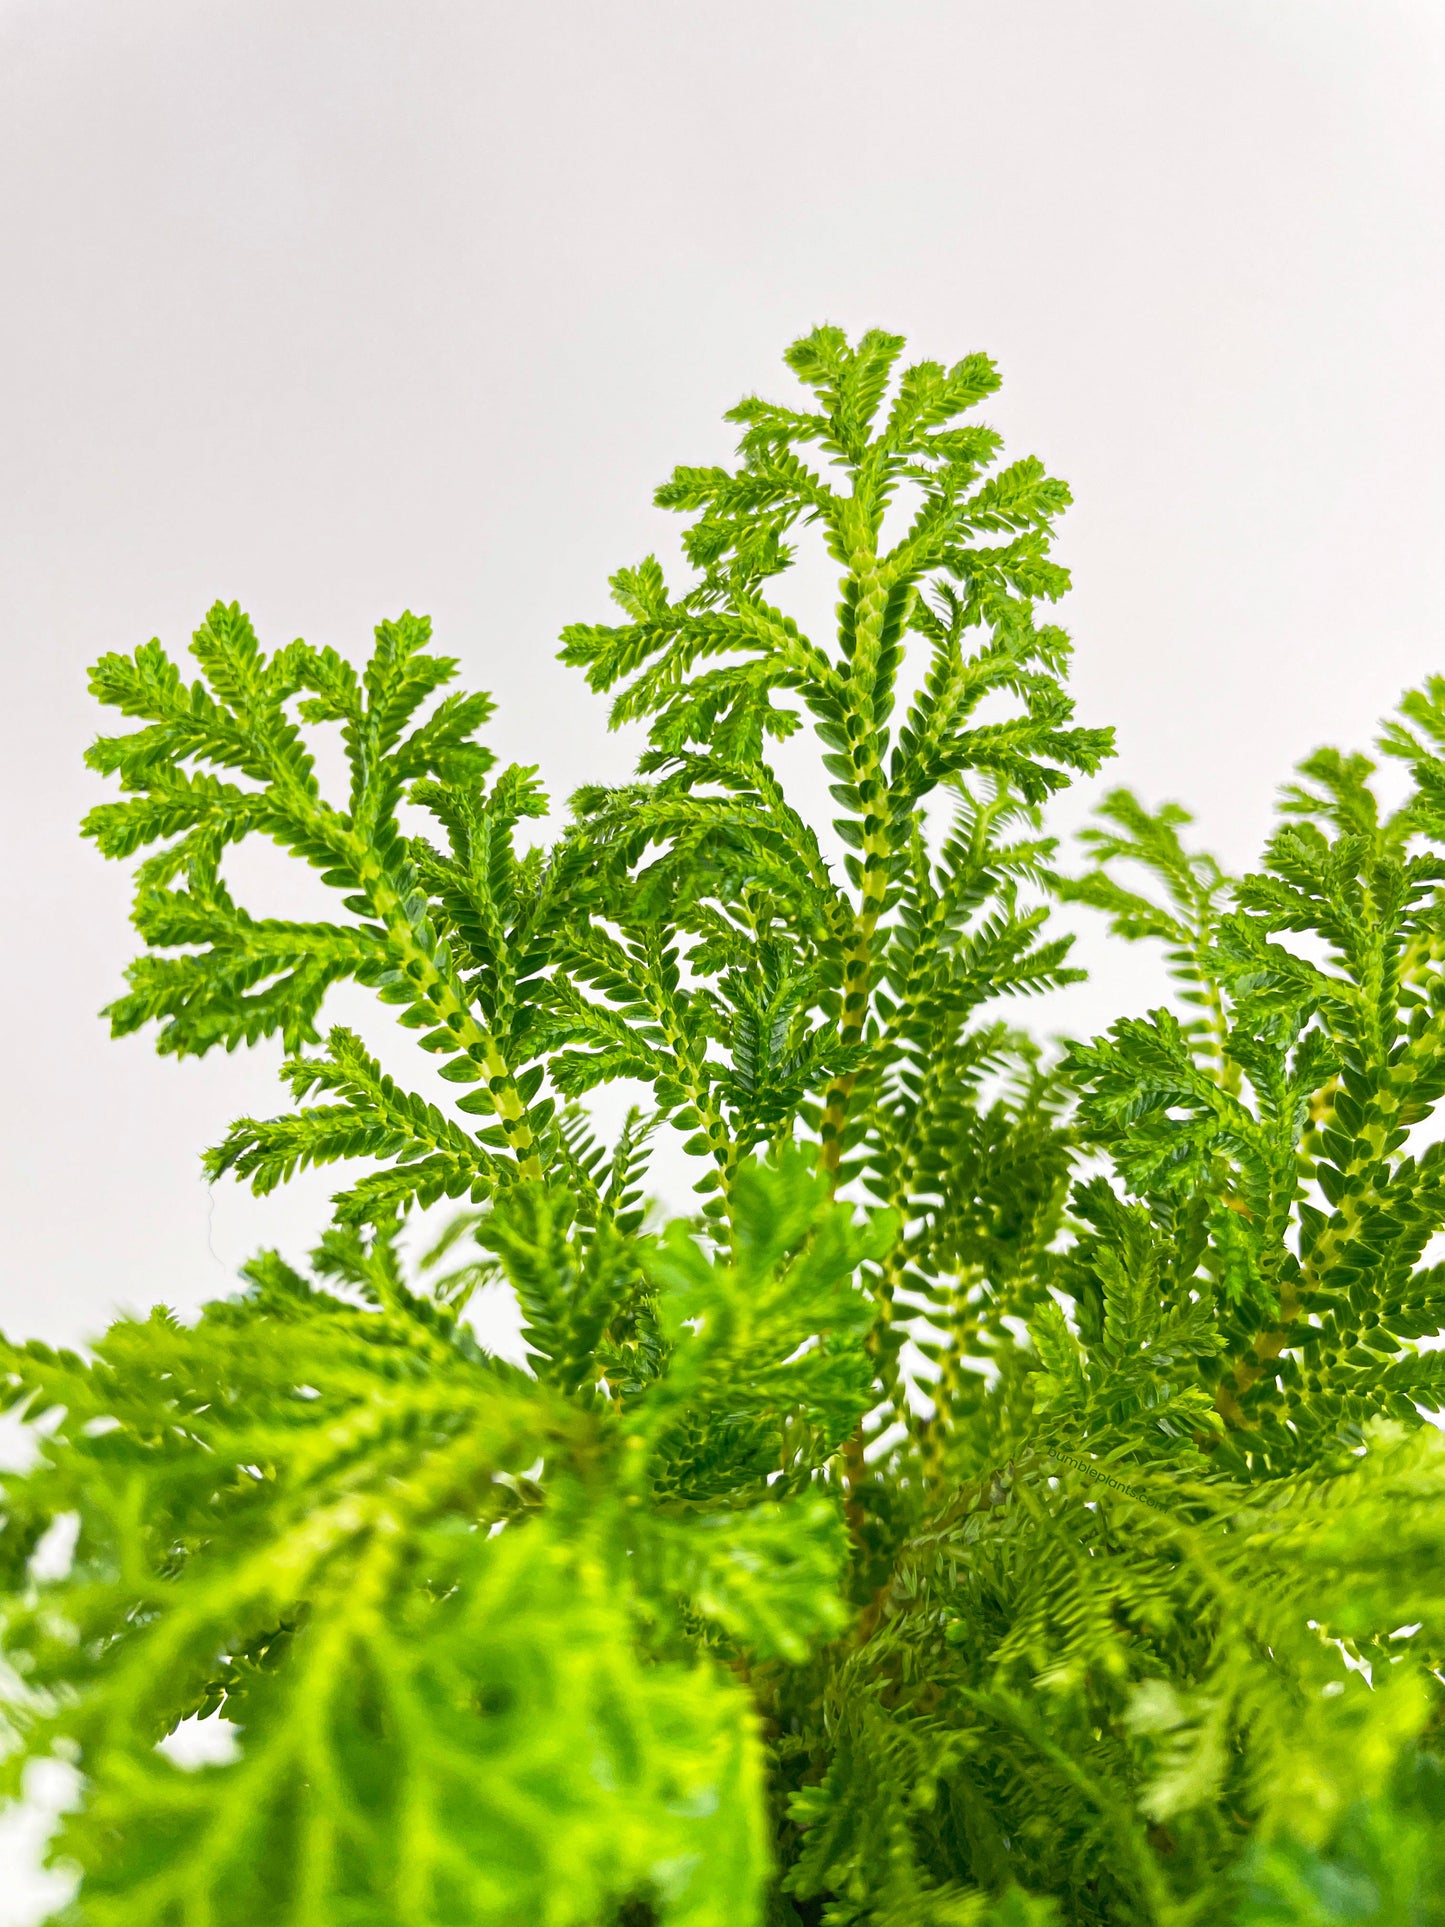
{"x":1006,"y":1500}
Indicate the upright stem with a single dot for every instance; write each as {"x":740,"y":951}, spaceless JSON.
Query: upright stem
{"x":872,"y":787}
{"x":453,"y":1010}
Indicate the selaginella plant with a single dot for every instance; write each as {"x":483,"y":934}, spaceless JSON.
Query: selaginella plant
{"x":1005,"y":1500}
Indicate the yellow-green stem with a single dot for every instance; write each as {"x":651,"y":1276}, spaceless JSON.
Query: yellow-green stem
{"x":446,"y":998}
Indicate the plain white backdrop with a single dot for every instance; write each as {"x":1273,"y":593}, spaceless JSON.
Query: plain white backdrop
{"x":337,"y":307}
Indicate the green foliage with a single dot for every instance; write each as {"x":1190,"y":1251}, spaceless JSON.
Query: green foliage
{"x":1006,"y":1501}
{"x":473,"y":1621}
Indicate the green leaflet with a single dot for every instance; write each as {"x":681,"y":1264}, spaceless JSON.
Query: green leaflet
{"x":775,"y":1335}
{"x":1273,"y":1146}
{"x":1007,"y":1501}
{"x":495,"y":1755}
{"x":416,"y":1581}
{"x":450,"y":963}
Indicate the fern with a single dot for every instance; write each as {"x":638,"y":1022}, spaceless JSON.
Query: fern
{"x":1006,"y":1500}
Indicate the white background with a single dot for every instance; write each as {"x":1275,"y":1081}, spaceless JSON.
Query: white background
{"x":341,"y":308}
